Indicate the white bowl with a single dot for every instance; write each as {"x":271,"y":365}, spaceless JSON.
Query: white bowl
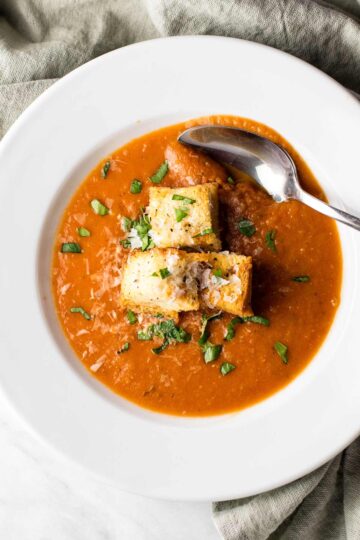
{"x":48,"y":151}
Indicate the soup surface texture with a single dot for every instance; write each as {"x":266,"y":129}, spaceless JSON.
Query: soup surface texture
{"x":287,"y":241}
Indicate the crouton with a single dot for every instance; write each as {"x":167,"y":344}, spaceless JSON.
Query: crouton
{"x":225,"y":282}
{"x":169,"y":281}
{"x":185,"y":217}
{"x":158,"y":281}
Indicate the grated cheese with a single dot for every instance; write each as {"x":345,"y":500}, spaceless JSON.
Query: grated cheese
{"x":65,"y":288}
{"x":134,"y":239}
{"x":95,"y":367}
{"x":82,"y":332}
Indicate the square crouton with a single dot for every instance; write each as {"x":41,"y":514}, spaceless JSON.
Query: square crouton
{"x":158,"y":281}
{"x":225,"y":282}
{"x":185,"y":217}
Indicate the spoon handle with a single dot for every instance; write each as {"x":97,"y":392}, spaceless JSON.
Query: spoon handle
{"x":328,"y":210}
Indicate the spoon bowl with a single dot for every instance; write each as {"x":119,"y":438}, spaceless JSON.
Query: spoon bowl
{"x":263,"y":160}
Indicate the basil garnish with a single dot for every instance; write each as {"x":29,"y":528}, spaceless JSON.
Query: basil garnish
{"x":168,"y":331}
{"x":99,"y":208}
{"x":246,"y":227}
{"x":83,"y":232}
{"x":164,"y":273}
{"x":270,"y":240}
{"x":126,"y":224}
{"x":160,"y":173}
{"x":105,"y":169}
{"x":204,"y":334}
{"x":70,"y":247}
{"x":185,"y":200}
{"x":124,"y":348}
{"x":163,"y":346}
{"x":180,"y":214}
{"x":257,"y":319}
{"x":204,"y":232}
{"x":82,"y":311}
{"x":211,"y":352}
{"x":301,"y":279}
{"x":230,"y":330}
{"x":131,"y":317}
{"x":282,"y":350}
{"x":226,"y":368}
{"x":135,"y":186}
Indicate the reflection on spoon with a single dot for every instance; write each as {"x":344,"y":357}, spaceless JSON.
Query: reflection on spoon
{"x":264,"y":161}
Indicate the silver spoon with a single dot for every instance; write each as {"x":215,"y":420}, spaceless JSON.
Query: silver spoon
{"x":266,"y":162}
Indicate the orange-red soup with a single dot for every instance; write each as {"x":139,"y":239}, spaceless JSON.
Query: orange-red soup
{"x":178,"y":381}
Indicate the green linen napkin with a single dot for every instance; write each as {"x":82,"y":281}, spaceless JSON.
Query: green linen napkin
{"x":42,"y":40}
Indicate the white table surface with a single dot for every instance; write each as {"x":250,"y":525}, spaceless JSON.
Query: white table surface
{"x":45,"y":497}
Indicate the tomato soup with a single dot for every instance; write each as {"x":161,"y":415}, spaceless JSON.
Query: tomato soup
{"x":297,"y":267}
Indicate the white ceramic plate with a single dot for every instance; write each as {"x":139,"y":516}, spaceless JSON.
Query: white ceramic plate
{"x":48,"y":151}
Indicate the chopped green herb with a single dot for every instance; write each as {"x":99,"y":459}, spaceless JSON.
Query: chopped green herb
{"x":159,"y":316}
{"x":144,"y":336}
{"x":160,"y":173}
{"x":141,"y":227}
{"x":180,"y":214}
{"x":230,"y":330}
{"x":204,"y":334}
{"x":154,"y":274}
{"x":218,"y":272}
{"x":301,"y":279}
{"x":257,"y":320}
{"x":185,"y":200}
{"x":204,"y":233}
{"x":124,"y":348}
{"x":145,"y":241}
{"x":99,"y":208}
{"x":172,"y":332}
{"x":281,"y":349}
{"x":135,"y":186}
{"x":131,"y":317}
{"x":168,"y":331}
{"x":270,"y":240}
{"x":246,"y":227}
{"x":105,"y":169}
{"x":125,"y":243}
{"x":226,"y":368}
{"x":70,"y":247}
{"x":164,"y":273}
{"x":150,"y":245}
{"x":163,"y":346}
{"x":231,"y":180}
{"x":211,"y":352}
{"x":83,"y":232}
{"x":82,"y":311}
{"x":126,"y":224}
